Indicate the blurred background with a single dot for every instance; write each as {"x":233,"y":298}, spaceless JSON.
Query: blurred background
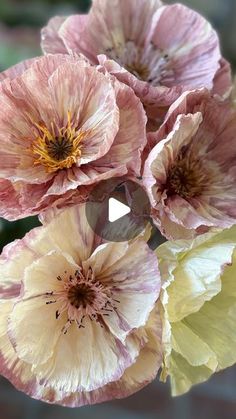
{"x":20,"y":23}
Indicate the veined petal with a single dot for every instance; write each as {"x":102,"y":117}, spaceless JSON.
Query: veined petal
{"x":70,"y":370}
{"x":34,"y":327}
{"x":57,"y":327}
{"x":134,"y":288}
{"x":198,"y":332}
{"x":197,"y":272}
{"x":192,"y":347}
{"x":72,"y":224}
{"x":191,"y":179}
{"x":51,"y":41}
{"x":184,"y":376}
{"x":131,"y":137}
{"x":115,"y":25}
{"x":136,"y":376}
{"x":15,"y":258}
{"x":57,"y":139}
{"x":91,"y":100}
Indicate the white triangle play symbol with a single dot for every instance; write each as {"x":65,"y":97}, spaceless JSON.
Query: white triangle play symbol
{"x":117,"y":210}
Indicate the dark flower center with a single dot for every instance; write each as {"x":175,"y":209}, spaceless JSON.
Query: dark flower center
{"x":186,"y":179}
{"x":80,"y":295}
{"x":59,"y":149}
{"x":139,"y":70}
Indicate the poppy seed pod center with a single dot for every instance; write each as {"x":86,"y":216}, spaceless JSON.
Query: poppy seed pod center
{"x":186,"y":178}
{"x":57,"y":148}
{"x":81,"y":295}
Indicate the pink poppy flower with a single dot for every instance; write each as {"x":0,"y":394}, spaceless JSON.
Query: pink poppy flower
{"x":78,"y":318}
{"x":64,"y":125}
{"x":190,"y":174}
{"x":160,"y":51}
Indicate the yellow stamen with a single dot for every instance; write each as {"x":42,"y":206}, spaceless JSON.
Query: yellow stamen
{"x":57,"y":148}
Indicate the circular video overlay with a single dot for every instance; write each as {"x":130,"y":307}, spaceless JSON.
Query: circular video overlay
{"x":118,"y":210}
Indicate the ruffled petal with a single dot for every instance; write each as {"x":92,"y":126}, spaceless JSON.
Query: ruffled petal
{"x":165,"y":153}
{"x":17,"y":371}
{"x":184,"y":376}
{"x":218,"y":317}
{"x":134,"y":288}
{"x":223,"y":80}
{"x":72,"y":224}
{"x":16,"y":70}
{"x":51,"y":41}
{"x":74,"y":368}
{"x":214,"y":343}
{"x":19,"y":254}
{"x":191,"y":44}
{"x":90,"y":98}
{"x":34,"y":327}
{"x":191,"y":178}
{"x":198,"y":331}
{"x":137,"y":376}
{"x":115,"y":25}
{"x":131,"y":137}
{"x":198,"y":266}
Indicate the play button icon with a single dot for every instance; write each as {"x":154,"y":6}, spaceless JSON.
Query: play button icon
{"x":118,"y":209}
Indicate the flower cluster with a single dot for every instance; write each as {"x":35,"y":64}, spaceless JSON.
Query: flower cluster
{"x":137,"y":90}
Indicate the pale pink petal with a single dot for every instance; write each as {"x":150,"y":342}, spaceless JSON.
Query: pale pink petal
{"x":208,"y":156}
{"x":223,"y":80}
{"x":191,"y":44}
{"x":103,"y":117}
{"x":164,"y":154}
{"x":154,"y":98}
{"x":16,"y":256}
{"x":19,"y":372}
{"x":9,"y":200}
{"x":16,"y":70}
{"x":108,"y":356}
{"x":124,"y":20}
{"x":72,"y":224}
{"x":90,"y":98}
{"x":131,"y":138}
{"x":136,"y":288}
{"x":137,"y":376}
{"x":170,"y":228}
{"x":33,"y":326}
{"x":86,"y":175}
{"x":71,"y":32}
{"x":51,"y":41}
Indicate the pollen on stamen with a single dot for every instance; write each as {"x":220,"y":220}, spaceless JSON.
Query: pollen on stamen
{"x":56,"y":147}
{"x":81,"y":297}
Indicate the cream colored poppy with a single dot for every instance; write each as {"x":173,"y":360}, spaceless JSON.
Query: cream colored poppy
{"x":198,"y":307}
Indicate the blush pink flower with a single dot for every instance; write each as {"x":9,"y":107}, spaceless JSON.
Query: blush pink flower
{"x":190,"y":174}
{"x":79,"y":322}
{"x":64,"y":125}
{"x":160,"y":51}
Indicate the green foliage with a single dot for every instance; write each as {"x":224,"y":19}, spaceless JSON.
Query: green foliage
{"x":37,"y":12}
{"x":10,"y":231}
